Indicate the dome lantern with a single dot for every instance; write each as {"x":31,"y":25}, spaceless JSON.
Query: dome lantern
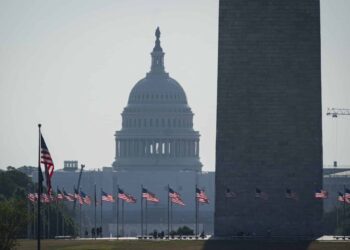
{"x":157,"y":54}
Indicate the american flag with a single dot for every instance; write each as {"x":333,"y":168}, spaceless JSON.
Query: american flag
{"x":175,"y":197}
{"x":78,"y":197}
{"x":45,"y":198}
{"x":321,"y":194}
{"x":68,"y":196}
{"x":173,"y":194}
{"x":131,"y":199}
{"x":107,"y":197}
{"x":291,"y":195}
{"x":149,"y":196}
{"x":347,"y":193}
{"x":86,"y":199}
{"x":48,"y":163}
{"x":59,"y":195}
{"x":32,"y":197}
{"x":230,"y":194}
{"x":342,"y":198}
{"x":52,"y":197}
{"x":125,"y":197}
{"x":201,"y":196}
{"x":260,"y":194}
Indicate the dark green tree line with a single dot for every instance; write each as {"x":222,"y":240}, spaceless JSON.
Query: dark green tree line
{"x":18,"y":215}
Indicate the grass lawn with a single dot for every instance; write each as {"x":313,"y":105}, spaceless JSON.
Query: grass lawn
{"x":181,"y":245}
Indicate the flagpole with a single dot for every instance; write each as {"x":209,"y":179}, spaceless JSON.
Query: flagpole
{"x":117,"y":211}
{"x":48,"y":217}
{"x":196,"y":205}
{"x":344,"y":201}
{"x":141,"y":211}
{"x":171,"y":216}
{"x":62,"y":216}
{"x":43,"y":224}
{"x":101,"y":212}
{"x":56,"y":212}
{"x":337,"y":214}
{"x":146,"y":219}
{"x":29,"y":208}
{"x":95,"y":211}
{"x":168,"y":215}
{"x":123,"y":218}
{"x":34,"y":217}
{"x":80,"y":215}
{"x":39,"y":191}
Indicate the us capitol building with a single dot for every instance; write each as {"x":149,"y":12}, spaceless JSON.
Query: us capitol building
{"x":157,"y":131}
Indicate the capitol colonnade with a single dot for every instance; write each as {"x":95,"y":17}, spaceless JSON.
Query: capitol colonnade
{"x":163,"y":147}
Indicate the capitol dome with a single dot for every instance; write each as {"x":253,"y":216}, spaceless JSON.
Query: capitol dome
{"x":157,"y":89}
{"x":157,"y":129}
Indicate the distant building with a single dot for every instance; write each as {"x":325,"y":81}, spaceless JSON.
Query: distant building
{"x":70,"y":165}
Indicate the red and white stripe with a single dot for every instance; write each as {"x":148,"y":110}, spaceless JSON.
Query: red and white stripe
{"x":130,"y":199}
{"x":107,"y":197}
{"x":68,"y":196}
{"x":201,"y":196}
{"x":32,"y":197}
{"x":177,"y":200}
{"x":60,"y":196}
{"x":150,"y":197}
{"x":321,"y":194}
{"x":87,"y":200}
{"x":45,"y":198}
{"x":48,"y":163}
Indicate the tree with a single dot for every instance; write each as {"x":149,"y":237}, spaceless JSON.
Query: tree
{"x":14,"y":208}
{"x":185,"y":230}
{"x":13,"y":217}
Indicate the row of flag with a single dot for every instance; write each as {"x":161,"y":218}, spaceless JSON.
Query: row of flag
{"x":290,"y":194}
{"x":83,"y":198}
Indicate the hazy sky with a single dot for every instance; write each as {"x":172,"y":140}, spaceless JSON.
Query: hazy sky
{"x":70,"y":65}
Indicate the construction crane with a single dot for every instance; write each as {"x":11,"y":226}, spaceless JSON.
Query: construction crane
{"x":335,"y":112}
{"x":82,"y":166}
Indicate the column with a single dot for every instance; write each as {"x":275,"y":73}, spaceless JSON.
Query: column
{"x":188,"y":147}
{"x":143,"y":142}
{"x":121,"y":149}
{"x":193,"y":145}
{"x":116,"y":148}
{"x":197,"y":147}
{"x":146,"y":148}
{"x":172,"y":148}
{"x":167,"y":148}
{"x":131,"y":147}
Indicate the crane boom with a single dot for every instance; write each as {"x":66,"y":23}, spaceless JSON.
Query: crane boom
{"x":335,"y":112}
